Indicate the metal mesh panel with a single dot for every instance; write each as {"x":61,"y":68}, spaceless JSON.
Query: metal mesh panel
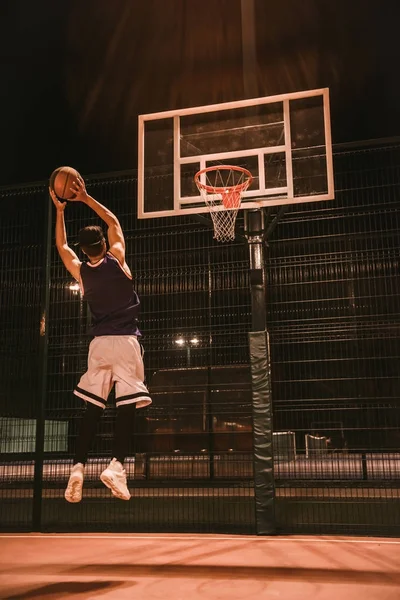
{"x":22,"y":240}
{"x":335,"y":339}
{"x":333,"y":296}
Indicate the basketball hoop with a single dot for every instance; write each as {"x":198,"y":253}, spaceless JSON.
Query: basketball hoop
{"x":222,"y":188}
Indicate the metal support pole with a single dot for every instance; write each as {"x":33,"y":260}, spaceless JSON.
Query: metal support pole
{"x":41,"y":409}
{"x":254,"y":231}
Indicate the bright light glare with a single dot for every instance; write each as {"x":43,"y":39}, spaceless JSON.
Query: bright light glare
{"x":74,"y":287}
{"x":194,"y":341}
{"x":180,"y":341}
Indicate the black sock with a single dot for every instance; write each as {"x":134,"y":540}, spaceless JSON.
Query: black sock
{"x":123,"y":431}
{"x":87,"y":431}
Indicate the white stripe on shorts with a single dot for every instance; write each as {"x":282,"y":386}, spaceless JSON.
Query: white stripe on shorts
{"x":87,"y":399}
{"x":141,"y":401}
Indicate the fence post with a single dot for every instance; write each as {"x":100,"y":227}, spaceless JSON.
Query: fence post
{"x":41,"y":407}
{"x":364,"y":466}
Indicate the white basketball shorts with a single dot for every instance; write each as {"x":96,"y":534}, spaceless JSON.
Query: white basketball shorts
{"x":114,"y":359}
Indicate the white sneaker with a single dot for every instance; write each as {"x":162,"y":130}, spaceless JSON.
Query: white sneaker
{"x":73,"y":493}
{"x":114,"y":477}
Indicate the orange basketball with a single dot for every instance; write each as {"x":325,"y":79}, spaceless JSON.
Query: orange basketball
{"x":61,"y":181}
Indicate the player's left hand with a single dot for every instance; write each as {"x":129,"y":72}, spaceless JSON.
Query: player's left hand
{"x":79,"y":189}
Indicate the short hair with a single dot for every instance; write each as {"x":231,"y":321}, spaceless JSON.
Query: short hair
{"x":90,"y":240}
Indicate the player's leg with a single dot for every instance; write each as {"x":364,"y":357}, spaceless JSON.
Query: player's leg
{"x":94,"y":388}
{"x":114,"y":476}
{"x":124,"y":426}
{"x":128,"y":374}
{"x":87,"y":431}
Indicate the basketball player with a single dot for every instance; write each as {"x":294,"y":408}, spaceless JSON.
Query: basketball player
{"x":114,"y":353}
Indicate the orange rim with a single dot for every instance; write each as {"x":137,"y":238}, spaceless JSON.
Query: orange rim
{"x":238,"y":187}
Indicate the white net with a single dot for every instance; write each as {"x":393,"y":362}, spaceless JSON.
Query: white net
{"x":221,"y":189}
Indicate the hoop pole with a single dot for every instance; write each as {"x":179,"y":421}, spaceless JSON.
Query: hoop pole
{"x":260,"y":364}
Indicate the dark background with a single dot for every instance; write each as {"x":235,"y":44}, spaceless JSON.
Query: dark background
{"x":75,"y":75}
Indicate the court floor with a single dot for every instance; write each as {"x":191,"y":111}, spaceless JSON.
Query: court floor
{"x":194,"y":567}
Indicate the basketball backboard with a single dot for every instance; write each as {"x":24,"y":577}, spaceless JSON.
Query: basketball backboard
{"x":284,"y":141}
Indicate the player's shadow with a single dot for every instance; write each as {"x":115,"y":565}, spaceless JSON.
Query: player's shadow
{"x":65,"y":589}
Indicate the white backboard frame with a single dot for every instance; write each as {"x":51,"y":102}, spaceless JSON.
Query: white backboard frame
{"x":263,"y":196}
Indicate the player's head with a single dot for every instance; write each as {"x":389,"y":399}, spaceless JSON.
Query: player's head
{"x":92,"y":242}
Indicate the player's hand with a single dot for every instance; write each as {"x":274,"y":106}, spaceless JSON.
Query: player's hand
{"x":79,"y":189}
{"x":60,"y":206}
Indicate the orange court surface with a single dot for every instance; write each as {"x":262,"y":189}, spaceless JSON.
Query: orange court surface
{"x":194,"y":567}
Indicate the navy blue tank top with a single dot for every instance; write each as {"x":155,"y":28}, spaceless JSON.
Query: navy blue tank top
{"x":113,"y":302}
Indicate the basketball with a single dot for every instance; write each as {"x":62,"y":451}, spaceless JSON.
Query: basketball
{"x":61,"y":181}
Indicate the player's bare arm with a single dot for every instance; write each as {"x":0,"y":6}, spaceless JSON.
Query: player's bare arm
{"x":68,"y":256}
{"x":115,"y":234}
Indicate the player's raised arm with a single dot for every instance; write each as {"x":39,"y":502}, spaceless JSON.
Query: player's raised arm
{"x":68,"y":256}
{"x":115,"y":234}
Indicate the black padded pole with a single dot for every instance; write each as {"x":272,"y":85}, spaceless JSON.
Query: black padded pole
{"x":264,"y":487}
